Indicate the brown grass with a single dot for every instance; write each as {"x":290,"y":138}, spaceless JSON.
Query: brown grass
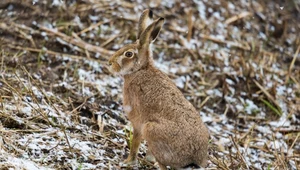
{"x":50,"y":110}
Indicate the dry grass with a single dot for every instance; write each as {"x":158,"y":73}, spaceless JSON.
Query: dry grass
{"x":238,"y":63}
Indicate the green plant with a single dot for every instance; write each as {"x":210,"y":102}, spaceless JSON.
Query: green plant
{"x":273,"y":108}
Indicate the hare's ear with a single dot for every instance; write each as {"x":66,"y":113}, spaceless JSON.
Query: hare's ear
{"x":145,"y":20}
{"x":151,"y":32}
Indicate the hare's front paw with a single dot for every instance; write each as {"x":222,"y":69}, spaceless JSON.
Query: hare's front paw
{"x":130,"y":161}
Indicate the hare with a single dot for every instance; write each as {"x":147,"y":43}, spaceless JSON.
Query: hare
{"x":156,"y":108}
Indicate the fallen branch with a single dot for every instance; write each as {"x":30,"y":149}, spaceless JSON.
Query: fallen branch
{"x":216,"y":40}
{"x":228,"y":43}
{"x":78,"y":42}
{"x":92,"y":27}
{"x":54,"y":53}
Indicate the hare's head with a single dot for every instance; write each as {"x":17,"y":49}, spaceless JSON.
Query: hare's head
{"x":136,"y":56}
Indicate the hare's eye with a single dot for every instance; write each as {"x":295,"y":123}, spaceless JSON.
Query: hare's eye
{"x":129,"y":54}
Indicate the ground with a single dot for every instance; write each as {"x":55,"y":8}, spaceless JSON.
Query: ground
{"x":237,"y":62}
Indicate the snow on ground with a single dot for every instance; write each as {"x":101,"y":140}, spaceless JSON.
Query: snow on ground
{"x":69,"y":115}
{"x":12,"y":162}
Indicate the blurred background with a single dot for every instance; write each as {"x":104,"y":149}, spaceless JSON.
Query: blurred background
{"x":237,"y":62}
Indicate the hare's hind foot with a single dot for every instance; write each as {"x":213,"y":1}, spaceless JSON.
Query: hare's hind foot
{"x":162,"y":167}
{"x":130,"y":161}
{"x":149,"y":157}
{"x":191,"y":166}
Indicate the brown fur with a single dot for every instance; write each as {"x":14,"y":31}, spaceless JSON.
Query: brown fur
{"x":158,"y":111}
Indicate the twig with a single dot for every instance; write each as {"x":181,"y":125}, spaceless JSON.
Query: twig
{"x":100,"y":123}
{"x":269,"y":96}
{"x":92,"y":27}
{"x":292,"y":64}
{"x":110,"y":40}
{"x":2,"y":61}
{"x":278,"y":155}
{"x":294,"y":142}
{"x":218,"y":163}
{"x":41,"y":112}
{"x":107,"y":139}
{"x":8,"y":142}
{"x":79,"y":43}
{"x":78,"y":107}
{"x":251,"y":117}
{"x":285,"y":131}
{"x":245,"y":47}
{"x":228,"y":43}
{"x":248,"y":132}
{"x":238,"y":152}
{"x":190,"y":25}
{"x":226,"y":110}
{"x":183,"y":42}
{"x":64,"y":130}
{"x":204,"y":101}
{"x":237,"y":17}
{"x":42,"y":91}
{"x":16,"y":31}
{"x":54,"y":53}
{"x":23,"y":130}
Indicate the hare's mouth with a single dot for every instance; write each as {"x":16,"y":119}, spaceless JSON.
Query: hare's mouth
{"x":114,"y":68}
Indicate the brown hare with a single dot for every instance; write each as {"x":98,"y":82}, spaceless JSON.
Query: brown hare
{"x":158,"y":111}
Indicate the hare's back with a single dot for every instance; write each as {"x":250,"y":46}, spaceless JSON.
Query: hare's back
{"x":158,"y":94}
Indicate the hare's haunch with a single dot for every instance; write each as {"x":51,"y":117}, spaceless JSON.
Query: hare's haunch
{"x":158,"y":111}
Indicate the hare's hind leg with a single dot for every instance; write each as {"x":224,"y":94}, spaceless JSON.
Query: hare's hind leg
{"x":203,"y":162}
{"x":134,"y":148}
{"x":162,"y":167}
{"x":157,"y":136}
{"x":150,"y":157}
